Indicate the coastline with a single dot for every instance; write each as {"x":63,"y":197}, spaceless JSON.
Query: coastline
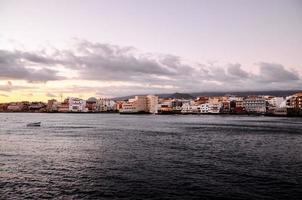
{"x":144,"y":113}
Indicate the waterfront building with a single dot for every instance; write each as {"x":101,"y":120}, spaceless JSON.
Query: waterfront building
{"x":77,"y":105}
{"x":239,"y":106}
{"x":141,"y":104}
{"x":187,"y":108}
{"x":177,"y":105}
{"x":275,"y":105}
{"x":255,"y":105}
{"x":216,"y":99}
{"x":128,"y":107}
{"x":119,"y":105}
{"x":152,"y":104}
{"x":52,"y":105}
{"x":294,"y":104}
{"x":64,"y":106}
{"x":165,"y":106}
{"x":275,"y":102}
{"x":239,"y":103}
{"x":136,"y":105}
{"x":215,"y":108}
{"x":91,"y":104}
{"x":202,"y":100}
{"x":232,"y":106}
{"x":215,"y":104}
{"x":106,"y":105}
{"x":165,"y":109}
{"x":204,"y":108}
{"x":298,"y":101}
{"x":226,"y":107}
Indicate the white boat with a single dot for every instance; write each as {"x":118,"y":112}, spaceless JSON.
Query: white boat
{"x":34,"y":124}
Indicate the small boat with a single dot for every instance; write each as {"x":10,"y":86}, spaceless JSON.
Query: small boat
{"x":34,"y":124}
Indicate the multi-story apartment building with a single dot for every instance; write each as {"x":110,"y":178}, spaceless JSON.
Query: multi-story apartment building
{"x":77,"y":105}
{"x":152,"y":104}
{"x":215,"y":108}
{"x":188,"y":108}
{"x":298,"y":101}
{"x":141,"y":104}
{"x":91,"y":104}
{"x":64,"y":106}
{"x":204,"y":108}
{"x":202,"y":100}
{"x":255,"y":105}
{"x":165,"y":106}
{"x":106,"y":105}
{"x":275,"y":102}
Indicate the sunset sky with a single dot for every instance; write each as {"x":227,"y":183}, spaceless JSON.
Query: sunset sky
{"x":50,"y":49}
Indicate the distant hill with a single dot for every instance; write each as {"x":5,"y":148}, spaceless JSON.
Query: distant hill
{"x":177,"y":95}
{"x":280,"y":93}
{"x":181,"y":96}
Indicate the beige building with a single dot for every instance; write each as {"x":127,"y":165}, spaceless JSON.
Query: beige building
{"x":152,"y":104}
{"x":143,"y":104}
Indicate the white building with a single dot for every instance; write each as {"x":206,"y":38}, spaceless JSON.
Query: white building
{"x":276,"y":101}
{"x":214,"y":108}
{"x":104,"y":105}
{"x":188,"y":108}
{"x":204,"y":108}
{"x":255,"y":105}
{"x":77,"y":105}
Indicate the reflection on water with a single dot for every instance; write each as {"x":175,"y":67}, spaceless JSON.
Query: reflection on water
{"x":105,"y":156}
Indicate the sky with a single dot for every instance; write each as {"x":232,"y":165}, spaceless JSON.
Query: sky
{"x":61,"y":48}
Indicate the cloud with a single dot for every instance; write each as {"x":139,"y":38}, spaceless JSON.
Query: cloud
{"x":139,"y":71}
{"x":235,"y":70}
{"x":108,"y":62}
{"x":270,"y":72}
{"x":18,"y":65}
{"x":4,"y":95}
{"x":10,"y":87}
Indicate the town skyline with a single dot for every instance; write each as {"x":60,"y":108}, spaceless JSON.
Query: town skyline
{"x":49,"y":49}
{"x":270,"y":105}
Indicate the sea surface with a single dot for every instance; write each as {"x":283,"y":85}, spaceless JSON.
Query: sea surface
{"x":112,"y":156}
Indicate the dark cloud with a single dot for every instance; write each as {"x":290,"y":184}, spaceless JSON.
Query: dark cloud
{"x":107,"y":62}
{"x":16,"y":65}
{"x":235,"y":70}
{"x":270,"y":72}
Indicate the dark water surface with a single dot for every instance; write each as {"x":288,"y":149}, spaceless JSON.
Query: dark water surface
{"x":112,"y":156}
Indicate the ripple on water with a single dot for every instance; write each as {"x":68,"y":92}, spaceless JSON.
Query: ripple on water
{"x":150,"y":157}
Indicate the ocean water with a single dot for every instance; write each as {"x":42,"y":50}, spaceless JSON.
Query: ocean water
{"x":112,"y":156}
